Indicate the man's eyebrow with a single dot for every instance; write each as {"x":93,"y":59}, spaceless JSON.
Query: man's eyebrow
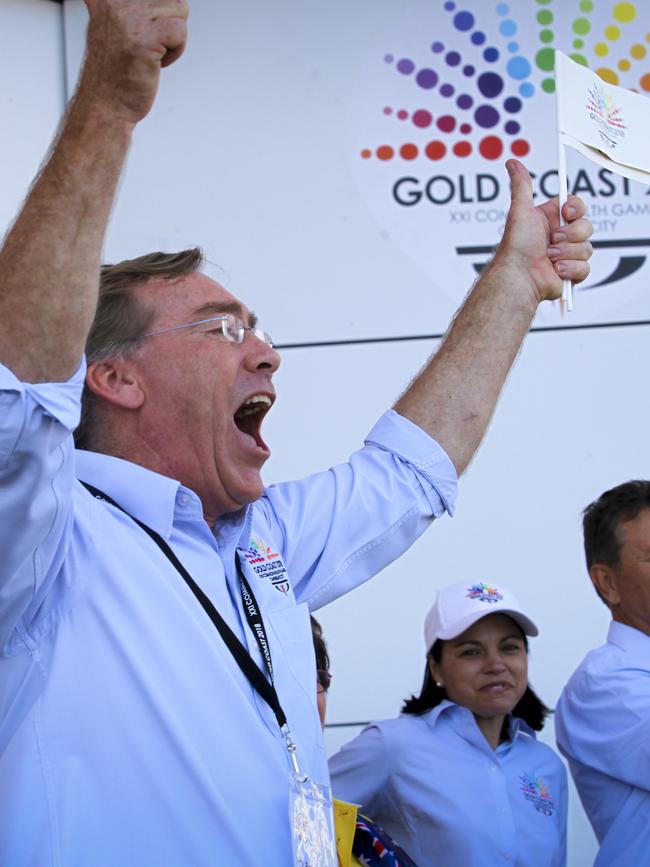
{"x":214,"y":308}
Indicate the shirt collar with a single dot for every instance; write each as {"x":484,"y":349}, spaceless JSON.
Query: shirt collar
{"x":466,"y":718}
{"x":144,"y":494}
{"x":628,"y":638}
{"x":152,"y":498}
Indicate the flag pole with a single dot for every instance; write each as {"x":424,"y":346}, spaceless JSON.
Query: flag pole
{"x":567,"y":286}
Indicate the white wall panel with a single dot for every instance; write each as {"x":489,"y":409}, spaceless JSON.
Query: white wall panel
{"x":31,"y":95}
{"x":253,"y":150}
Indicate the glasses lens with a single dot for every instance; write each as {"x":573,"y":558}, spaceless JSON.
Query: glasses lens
{"x":324,"y":678}
{"x":233,"y":328}
{"x":263,"y":336}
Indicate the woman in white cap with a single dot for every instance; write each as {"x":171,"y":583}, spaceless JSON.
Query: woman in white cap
{"x":459,"y":778}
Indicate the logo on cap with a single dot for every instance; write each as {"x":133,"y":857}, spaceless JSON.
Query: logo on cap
{"x":484,"y":593}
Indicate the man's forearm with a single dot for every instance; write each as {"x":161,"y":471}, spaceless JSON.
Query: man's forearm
{"x":49,"y":264}
{"x":454,"y":397}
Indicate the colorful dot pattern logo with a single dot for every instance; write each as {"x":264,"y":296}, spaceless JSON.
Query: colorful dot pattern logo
{"x":537,"y":793}
{"x":484,"y":593}
{"x":471,"y":97}
{"x":258,"y":550}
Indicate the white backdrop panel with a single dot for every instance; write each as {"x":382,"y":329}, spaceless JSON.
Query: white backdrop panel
{"x":31,"y":96}
{"x":254,"y":146}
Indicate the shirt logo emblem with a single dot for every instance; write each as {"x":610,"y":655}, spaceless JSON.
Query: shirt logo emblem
{"x":266,"y":563}
{"x":537,"y":792}
{"x":484,"y":593}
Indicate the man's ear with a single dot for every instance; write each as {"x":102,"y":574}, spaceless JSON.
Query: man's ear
{"x":116,"y":382}
{"x":605,"y":582}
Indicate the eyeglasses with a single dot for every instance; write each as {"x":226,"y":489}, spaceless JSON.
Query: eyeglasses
{"x":324,"y":679}
{"x":232,"y":328}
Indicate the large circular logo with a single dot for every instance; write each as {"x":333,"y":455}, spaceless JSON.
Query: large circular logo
{"x":450,"y":91}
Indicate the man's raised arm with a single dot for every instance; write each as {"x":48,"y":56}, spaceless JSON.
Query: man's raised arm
{"x":50,"y":261}
{"x":454,"y":397}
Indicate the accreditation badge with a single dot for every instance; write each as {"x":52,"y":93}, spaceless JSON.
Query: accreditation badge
{"x":312,"y":824}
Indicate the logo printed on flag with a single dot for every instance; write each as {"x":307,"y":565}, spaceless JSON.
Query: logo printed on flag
{"x":606,"y":115}
{"x":608,"y":124}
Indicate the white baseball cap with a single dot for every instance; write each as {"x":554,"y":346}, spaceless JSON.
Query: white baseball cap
{"x":460,"y":605}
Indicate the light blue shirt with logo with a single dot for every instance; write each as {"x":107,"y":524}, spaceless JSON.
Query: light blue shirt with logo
{"x":128,"y":735}
{"x":603,"y":728}
{"x":435,"y":785}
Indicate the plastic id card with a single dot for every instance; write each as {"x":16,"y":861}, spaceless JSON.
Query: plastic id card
{"x":312,"y":824}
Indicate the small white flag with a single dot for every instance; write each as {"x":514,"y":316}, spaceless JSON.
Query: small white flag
{"x":608,"y":124}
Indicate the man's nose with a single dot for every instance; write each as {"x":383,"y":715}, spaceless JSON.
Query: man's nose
{"x":259,"y":355}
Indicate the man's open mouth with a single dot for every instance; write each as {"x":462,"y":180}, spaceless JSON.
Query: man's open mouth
{"x":249,"y":416}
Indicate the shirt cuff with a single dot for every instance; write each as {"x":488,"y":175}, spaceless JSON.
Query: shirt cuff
{"x":410,"y":443}
{"x":61,"y":400}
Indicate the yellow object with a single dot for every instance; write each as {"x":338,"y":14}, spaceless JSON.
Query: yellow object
{"x":345,"y":820}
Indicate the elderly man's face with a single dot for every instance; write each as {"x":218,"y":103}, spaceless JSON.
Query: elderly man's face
{"x":205,"y":397}
{"x":631,"y":576}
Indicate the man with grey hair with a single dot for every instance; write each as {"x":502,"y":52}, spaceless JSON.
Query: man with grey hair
{"x":157,"y":689}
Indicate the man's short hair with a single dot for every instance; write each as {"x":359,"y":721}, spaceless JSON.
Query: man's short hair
{"x":603,"y":517}
{"x":121,"y":320}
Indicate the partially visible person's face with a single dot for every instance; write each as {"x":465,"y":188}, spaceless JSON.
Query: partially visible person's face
{"x":321,"y":701}
{"x":627,"y":587}
{"x":323,"y":680}
{"x":205,"y":397}
{"x":486,"y":668}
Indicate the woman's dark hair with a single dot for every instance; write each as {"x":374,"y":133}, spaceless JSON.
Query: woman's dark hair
{"x":530,"y":708}
{"x":320,"y":648}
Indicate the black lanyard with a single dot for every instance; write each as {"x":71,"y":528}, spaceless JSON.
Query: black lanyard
{"x":264,"y":688}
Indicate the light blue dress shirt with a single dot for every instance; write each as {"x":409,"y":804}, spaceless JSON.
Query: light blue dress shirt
{"x":435,"y":785}
{"x":128,"y":735}
{"x":603,"y":728}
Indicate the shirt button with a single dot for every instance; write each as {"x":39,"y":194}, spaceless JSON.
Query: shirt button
{"x":493,"y":767}
{"x":183,"y":500}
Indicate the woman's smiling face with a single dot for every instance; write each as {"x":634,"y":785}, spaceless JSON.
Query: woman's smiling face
{"x":485,"y":669}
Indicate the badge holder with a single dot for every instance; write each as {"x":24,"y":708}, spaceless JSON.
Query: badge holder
{"x":310,"y":816}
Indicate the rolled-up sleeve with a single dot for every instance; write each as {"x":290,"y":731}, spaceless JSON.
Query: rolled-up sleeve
{"x":430,"y":461}
{"x":36,"y":478}
{"x":343,"y":526}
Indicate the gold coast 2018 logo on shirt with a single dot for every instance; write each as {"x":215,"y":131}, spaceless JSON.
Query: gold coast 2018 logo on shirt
{"x":537,"y":793}
{"x":266,"y":563}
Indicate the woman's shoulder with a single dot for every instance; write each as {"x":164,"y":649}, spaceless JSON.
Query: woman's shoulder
{"x":396,"y":728}
{"x":526,"y":740}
